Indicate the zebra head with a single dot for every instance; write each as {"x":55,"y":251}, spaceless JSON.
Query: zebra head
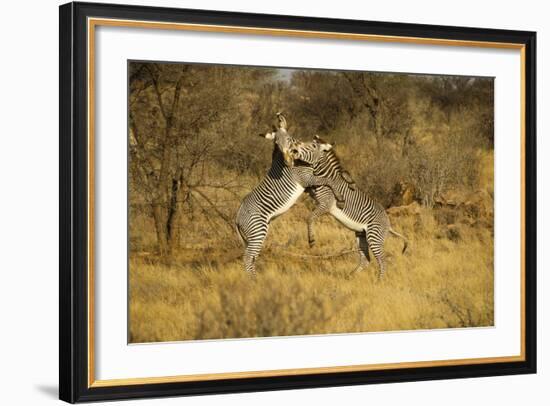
{"x":309,"y":152}
{"x":282,"y":139}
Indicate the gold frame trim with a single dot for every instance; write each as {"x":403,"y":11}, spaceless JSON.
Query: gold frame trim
{"x":94,"y":22}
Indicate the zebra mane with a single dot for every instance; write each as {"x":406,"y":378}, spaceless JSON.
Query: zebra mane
{"x":331,"y":156}
{"x":331,"y":159}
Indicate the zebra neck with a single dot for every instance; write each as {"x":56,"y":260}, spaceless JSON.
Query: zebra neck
{"x":278,"y":165}
{"x":328,"y":164}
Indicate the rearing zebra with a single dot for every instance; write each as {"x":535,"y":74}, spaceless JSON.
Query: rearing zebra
{"x":275,"y":194}
{"x":360,"y":213}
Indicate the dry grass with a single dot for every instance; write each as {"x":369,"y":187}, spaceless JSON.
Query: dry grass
{"x":426,"y":139}
{"x":445,"y":280}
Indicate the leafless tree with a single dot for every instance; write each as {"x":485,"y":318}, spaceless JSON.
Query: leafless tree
{"x":180,"y":119}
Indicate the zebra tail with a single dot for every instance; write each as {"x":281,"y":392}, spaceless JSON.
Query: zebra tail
{"x":405,"y":241}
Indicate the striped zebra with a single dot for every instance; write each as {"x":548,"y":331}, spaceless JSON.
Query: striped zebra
{"x":360,"y":213}
{"x":276,"y":194}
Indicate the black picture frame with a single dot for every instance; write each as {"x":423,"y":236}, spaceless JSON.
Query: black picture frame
{"x":73,"y":255}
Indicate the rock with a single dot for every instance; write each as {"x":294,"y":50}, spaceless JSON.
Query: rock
{"x":402,"y":194}
{"x":479,"y":205}
{"x":472,"y":209}
{"x":404,"y":211}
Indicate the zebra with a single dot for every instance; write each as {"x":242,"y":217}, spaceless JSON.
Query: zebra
{"x":275,"y":194}
{"x":360,"y":213}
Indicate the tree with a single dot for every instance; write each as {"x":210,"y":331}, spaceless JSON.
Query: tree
{"x":180,"y":118}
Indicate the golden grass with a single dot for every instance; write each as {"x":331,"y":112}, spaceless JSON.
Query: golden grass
{"x":444,"y":280}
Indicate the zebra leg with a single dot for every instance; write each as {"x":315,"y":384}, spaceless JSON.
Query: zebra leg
{"x":381,"y":264}
{"x":315,"y":214}
{"x":332,"y":184}
{"x":348,"y":179}
{"x":364,"y":256}
{"x":254,"y":243}
{"x":337,"y":195}
{"x":376,"y":242}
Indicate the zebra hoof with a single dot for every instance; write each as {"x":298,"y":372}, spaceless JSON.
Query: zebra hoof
{"x":340,"y":204}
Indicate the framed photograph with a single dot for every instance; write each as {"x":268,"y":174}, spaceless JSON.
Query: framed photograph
{"x":258,"y":202}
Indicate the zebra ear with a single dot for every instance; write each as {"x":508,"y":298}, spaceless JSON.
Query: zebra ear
{"x":319,"y":140}
{"x":325,"y":146}
{"x":268,"y":136}
{"x":282,"y":121}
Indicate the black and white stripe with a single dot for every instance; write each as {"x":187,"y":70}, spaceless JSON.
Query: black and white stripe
{"x":275,"y":194}
{"x":359,"y":213}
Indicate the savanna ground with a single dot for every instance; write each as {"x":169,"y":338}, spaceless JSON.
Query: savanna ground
{"x":422,"y":146}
